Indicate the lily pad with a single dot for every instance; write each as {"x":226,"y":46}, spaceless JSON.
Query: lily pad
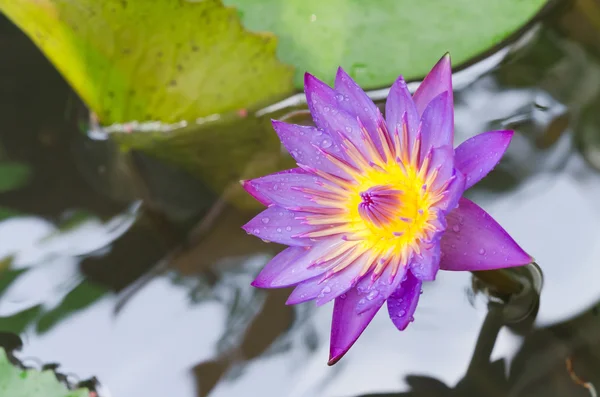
{"x":15,"y":382}
{"x":378,"y":40}
{"x":161,"y":60}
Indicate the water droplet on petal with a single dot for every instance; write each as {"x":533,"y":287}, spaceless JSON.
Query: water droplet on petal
{"x":372,"y":295}
{"x":348,"y":129}
{"x":256,"y":231}
{"x":401,"y":313}
{"x":326,"y":143}
{"x":288,"y":228}
{"x":279,"y":230}
{"x":265,"y":220}
{"x":326,"y":290}
{"x":456,"y":228}
{"x":339,"y":97}
{"x":275,"y":187}
{"x":482,"y":251}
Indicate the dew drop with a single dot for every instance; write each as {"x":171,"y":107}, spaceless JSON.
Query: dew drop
{"x":326,"y":143}
{"x":265,"y":220}
{"x":342,"y":296}
{"x":256,"y":231}
{"x":339,"y":97}
{"x":280,"y":213}
{"x":275,"y":187}
{"x":456,"y":228}
{"x":348,"y":129}
{"x":279,"y":230}
{"x":326,"y":290}
{"x":372,"y":295}
{"x":401,"y":313}
{"x":288,"y":228}
{"x":482,"y":251}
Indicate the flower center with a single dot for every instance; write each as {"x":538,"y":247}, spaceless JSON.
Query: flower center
{"x":379,"y":205}
{"x":390,"y":206}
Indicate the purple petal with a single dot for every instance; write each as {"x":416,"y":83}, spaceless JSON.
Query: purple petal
{"x":437,"y":125}
{"x":276,"y":265}
{"x":357,"y":103}
{"x":426,"y":265}
{"x":326,"y":290}
{"x":279,"y":225}
{"x":373,"y":294}
{"x":308,"y":265}
{"x":284,"y":188}
{"x":478,"y":155}
{"x":438,"y":80}
{"x":475,"y":241}
{"x":400,"y":105}
{"x":327,"y":113}
{"x":347,"y":325}
{"x":453,"y":193}
{"x":441,"y":161}
{"x":403,"y":302}
{"x":302,"y":142}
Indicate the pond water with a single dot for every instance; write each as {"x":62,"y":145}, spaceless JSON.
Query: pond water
{"x":156,"y":301}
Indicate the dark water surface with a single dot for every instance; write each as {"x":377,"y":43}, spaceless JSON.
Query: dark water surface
{"x":108,"y":288}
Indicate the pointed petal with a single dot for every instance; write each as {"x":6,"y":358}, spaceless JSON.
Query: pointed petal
{"x":426,"y":265}
{"x":403,"y":302}
{"x":437,"y":124}
{"x":308,"y":265}
{"x":302,"y":142}
{"x":373,"y":294}
{"x":282,"y":188}
{"x":327,"y":113}
{"x":357,"y":103}
{"x":475,"y":241}
{"x":326,"y":290}
{"x":442,"y":164}
{"x":478,"y":155}
{"x":276,"y":265}
{"x":453,"y":193}
{"x":278,"y":225}
{"x":347,"y":325}
{"x":437,"y":81}
{"x":400,"y":104}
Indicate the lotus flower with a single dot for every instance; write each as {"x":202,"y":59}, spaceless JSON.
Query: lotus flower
{"x":375,"y":207}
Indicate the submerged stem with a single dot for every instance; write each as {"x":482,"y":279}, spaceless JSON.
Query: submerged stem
{"x":502,"y":281}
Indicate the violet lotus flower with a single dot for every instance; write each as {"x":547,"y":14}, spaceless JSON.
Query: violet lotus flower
{"x":375,"y":207}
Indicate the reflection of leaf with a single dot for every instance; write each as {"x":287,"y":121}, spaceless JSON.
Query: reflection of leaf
{"x":377,"y":40}
{"x":164,"y":60}
{"x":79,"y":298}
{"x":6,"y":213}
{"x":218,"y":153}
{"x":15,"y":382}
{"x":18,"y":322}
{"x":13,"y":176}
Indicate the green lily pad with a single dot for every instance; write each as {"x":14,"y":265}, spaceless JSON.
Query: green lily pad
{"x":15,"y":382}
{"x":13,"y":176}
{"x":161,"y":60}
{"x":375,"y":41}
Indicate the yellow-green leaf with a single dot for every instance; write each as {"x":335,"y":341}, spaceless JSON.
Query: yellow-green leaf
{"x":164,"y":60}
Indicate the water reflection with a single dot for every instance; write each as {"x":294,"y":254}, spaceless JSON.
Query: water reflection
{"x":193,"y":326}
